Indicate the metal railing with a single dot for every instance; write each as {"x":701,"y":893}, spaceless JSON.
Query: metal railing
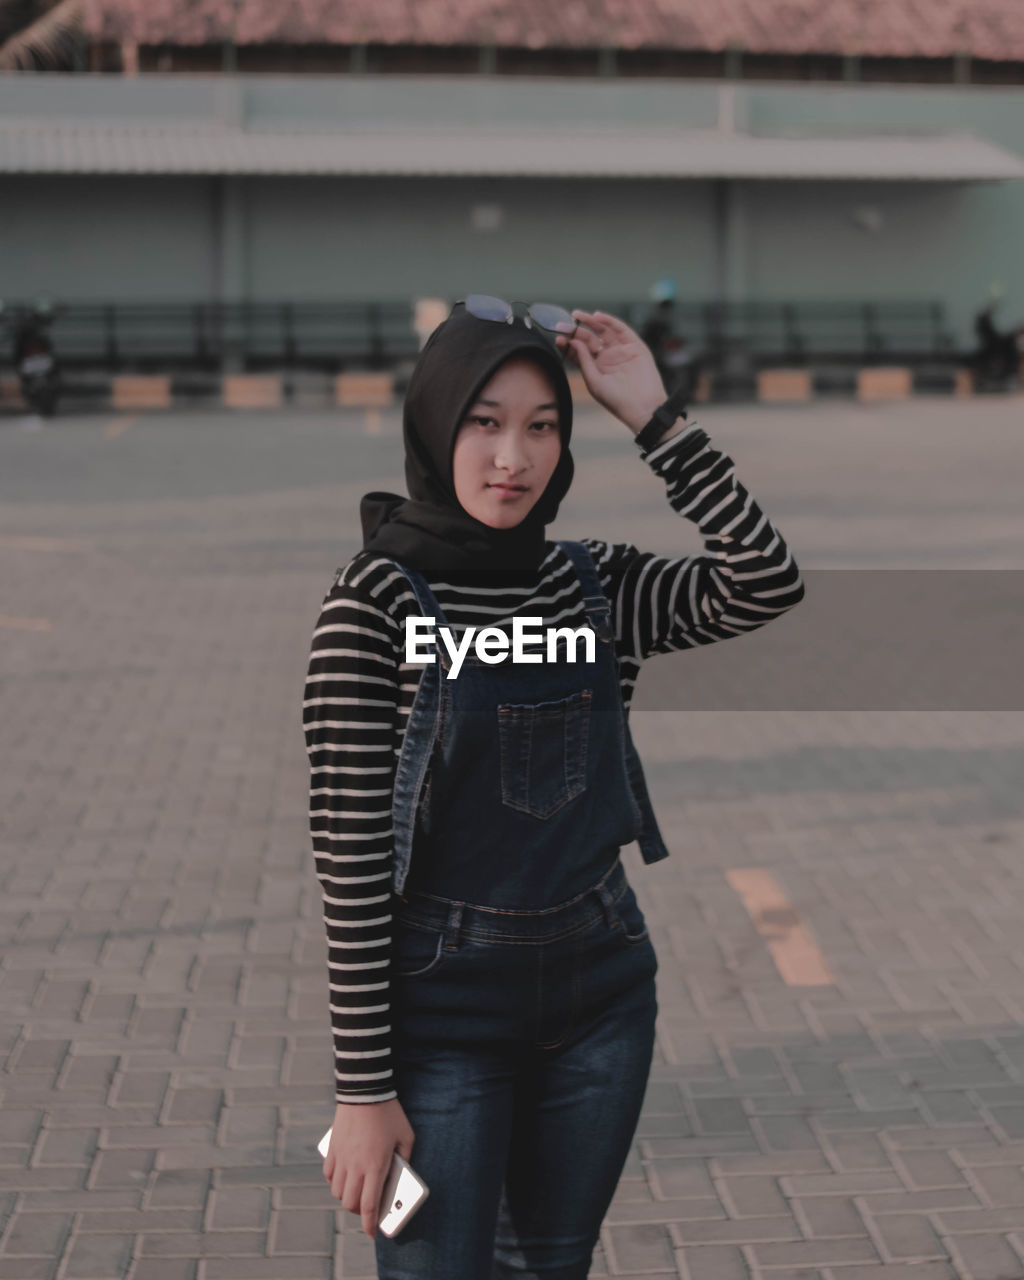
{"x":336,"y":335}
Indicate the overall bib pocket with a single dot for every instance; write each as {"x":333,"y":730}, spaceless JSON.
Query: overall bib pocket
{"x":543,"y":748}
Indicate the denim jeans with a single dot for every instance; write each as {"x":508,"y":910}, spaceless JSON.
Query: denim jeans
{"x":524,"y":1042}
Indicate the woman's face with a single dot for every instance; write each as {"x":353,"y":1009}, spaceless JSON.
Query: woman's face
{"x":509,"y":436}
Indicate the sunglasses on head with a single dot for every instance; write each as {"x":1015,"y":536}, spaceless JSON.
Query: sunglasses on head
{"x":547,"y":317}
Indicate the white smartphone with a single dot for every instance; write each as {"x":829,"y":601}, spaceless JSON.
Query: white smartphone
{"x":404,"y":1191}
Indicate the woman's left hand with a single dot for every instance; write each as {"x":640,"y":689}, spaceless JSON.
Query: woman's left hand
{"x":617,"y":366}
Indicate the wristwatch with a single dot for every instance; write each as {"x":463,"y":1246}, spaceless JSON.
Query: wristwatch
{"x":663,"y":417}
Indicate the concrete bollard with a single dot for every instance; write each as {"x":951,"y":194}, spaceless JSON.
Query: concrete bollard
{"x":885,"y":383}
{"x":427,"y":314}
{"x":578,"y":387}
{"x":373,"y":391}
{"x":252,"y":391}
{"x":10,"y":392}
{"x":140,"y":391}
{"x":777,"y":385}
{"x":365,"y":389}
{"x":963,"y":382}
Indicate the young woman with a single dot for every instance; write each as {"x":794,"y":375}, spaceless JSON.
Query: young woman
{"x":491,"y":977}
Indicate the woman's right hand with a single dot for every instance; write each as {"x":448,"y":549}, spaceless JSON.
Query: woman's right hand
{"x":617,"y":366}
{"x":364,"y":1138}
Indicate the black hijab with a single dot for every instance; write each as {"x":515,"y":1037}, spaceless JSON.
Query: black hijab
{"x":430,"y":530}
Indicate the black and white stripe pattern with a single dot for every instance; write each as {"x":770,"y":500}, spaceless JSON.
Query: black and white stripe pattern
{"x":359,"y":693}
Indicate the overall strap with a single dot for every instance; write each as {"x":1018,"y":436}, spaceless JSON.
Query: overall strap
{"x":423,"y":727}
{"x":599,"y":613}
{"x":425,"y":598}
{"x":651,"y":842}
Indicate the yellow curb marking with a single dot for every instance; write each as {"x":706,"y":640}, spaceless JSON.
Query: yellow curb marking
{"x":25,"y":624}
{"x":117,"y":426}
{"x":796,"y":954}
{"x":26,"y":542}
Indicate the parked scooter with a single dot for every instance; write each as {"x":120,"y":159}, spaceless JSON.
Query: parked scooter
{"x":1000,"y":353}
{"x":35,"y":360}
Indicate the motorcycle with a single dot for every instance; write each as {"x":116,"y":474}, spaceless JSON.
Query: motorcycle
{"x":999,"y":354}
{"x":35,"y":360}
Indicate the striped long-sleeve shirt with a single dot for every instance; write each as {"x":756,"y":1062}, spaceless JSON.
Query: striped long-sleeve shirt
{"x":359,"y":693}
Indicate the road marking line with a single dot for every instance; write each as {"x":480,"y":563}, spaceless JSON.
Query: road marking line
{"x":797,"y":956}
{"x":25,"y":624}
{"x":117,"y":426}
{"x":28,"y":542}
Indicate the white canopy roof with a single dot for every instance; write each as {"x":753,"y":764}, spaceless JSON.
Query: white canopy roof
{"x":38,"y":144}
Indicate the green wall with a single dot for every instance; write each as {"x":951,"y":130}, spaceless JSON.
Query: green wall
{"x":95,"y":237}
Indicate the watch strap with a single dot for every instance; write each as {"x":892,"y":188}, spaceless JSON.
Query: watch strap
{"x":672,"y":408}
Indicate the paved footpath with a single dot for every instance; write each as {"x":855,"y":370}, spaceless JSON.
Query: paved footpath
{"x":838,"y":1085}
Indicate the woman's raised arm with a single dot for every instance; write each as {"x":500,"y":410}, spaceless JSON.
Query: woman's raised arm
{"x":746,"y":576}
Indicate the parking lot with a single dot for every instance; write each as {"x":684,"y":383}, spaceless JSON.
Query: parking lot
{"x":838,"y":1085}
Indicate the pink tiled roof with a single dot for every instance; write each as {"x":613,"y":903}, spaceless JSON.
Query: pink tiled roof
{"x":896,"y":28}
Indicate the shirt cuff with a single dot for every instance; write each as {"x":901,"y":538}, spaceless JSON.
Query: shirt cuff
{"x":691,"y":439}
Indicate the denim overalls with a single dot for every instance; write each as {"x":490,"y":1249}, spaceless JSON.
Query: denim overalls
{"x":519,"y":743}
{"x":523,"y":999}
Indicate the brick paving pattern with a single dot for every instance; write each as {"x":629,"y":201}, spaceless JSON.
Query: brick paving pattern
{"x":164,"y":1041}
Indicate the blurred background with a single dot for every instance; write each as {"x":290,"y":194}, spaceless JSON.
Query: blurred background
{"x":230,"y":187}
